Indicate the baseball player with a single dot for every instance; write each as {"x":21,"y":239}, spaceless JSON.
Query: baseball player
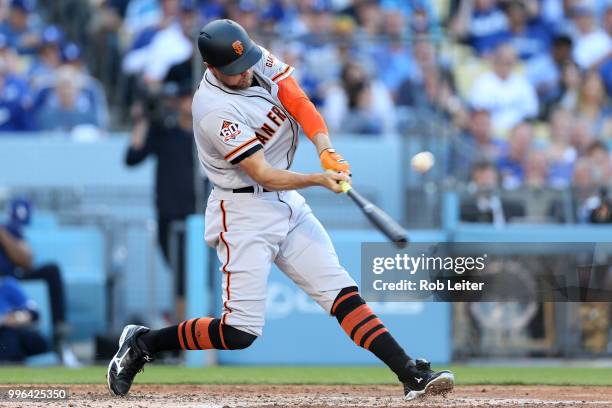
{"x":246,"y":114}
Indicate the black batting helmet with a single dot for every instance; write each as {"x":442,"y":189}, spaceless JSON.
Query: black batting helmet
{"x":225,"y":45}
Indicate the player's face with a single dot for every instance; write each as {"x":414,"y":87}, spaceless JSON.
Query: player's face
{"x":239,"y":81}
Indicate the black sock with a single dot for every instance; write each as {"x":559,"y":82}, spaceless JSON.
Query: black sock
{"x":165,"y":339}
{"x":392,"y":354}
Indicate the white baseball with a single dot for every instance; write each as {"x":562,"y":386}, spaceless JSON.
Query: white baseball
{"x":422,"y":162}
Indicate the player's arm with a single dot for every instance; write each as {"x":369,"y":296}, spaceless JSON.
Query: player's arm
{"x":17,"y":250}
{"x":274,"y":179}
{"x":303,"y":110}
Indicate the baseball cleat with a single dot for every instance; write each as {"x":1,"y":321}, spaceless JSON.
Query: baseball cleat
{"x":128,"y":361}
{"x":424,"y":381}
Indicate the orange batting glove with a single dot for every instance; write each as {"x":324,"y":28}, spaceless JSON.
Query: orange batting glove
{"x":330,"y":160}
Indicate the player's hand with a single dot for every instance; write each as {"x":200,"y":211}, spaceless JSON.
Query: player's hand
{"x":331,"y":160}
{"x":330,"y":180}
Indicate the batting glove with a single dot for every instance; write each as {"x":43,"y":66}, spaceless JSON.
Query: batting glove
{"x":330,"y":160}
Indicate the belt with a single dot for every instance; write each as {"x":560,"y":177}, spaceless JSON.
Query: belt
{"x":249,"y":189}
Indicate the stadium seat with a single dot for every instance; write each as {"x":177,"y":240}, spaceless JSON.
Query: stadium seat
{"x":79,"y":252}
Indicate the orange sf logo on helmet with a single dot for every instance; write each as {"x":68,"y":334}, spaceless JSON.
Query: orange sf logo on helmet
{"x":238,"y":48}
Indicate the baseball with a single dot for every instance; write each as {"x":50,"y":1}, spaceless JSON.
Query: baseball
{"x":422,"y":162}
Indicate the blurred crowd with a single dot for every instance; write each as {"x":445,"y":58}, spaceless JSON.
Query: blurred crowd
{"x":525,"y":85}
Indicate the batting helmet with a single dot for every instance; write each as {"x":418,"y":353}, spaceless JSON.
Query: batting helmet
{"x":225,"y":45}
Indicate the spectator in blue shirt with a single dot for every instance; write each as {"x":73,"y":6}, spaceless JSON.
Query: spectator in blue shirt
{"x":530,"y":37}
{"x":481,"y":23}
{"x":13,"y":94}
{"x":512,"y":164}
{"x":18,"y":29}
{"x":48,"y":60}
{"x":67,"y":105}
{"x":16,"y":260}
{"x":18,"y":339}
{"x":393,"y":57}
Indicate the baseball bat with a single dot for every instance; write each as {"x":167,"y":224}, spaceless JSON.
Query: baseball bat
{"x":385,"y":224}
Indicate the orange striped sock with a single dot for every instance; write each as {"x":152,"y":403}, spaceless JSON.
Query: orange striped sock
{"x":365,"y":328}
{"x":194,"y":334}
{"x":361,"y":324}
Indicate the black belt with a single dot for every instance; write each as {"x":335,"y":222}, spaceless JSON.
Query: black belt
{"x":249,"y":189}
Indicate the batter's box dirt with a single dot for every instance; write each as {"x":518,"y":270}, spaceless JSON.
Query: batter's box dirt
{"x":309,"y":396}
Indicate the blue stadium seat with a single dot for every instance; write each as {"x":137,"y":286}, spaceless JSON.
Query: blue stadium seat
{"x":79,"y":252}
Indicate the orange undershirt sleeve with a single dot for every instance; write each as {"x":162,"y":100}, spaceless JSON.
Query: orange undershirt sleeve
{"x":300,"y":107}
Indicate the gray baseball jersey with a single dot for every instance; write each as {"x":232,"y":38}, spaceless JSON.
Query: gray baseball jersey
{"x":250,"y":231}
{"x":230,"y":125}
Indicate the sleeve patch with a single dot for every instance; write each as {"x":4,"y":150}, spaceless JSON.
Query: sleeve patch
{"x":229,"y":131}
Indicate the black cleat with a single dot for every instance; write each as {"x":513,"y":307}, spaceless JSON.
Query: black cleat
{"x":128,"y":361}
{"x":423,"y":381}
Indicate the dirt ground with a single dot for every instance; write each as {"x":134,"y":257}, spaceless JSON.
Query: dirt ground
{"x":221,"y":396}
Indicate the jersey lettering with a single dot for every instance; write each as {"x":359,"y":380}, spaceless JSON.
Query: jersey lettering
{"x":270,"y":61}
{"x":266,"y":131}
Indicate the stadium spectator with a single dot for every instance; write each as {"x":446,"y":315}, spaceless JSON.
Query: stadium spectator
{"x":481,"y":23}
{"x":157,"y":47}
{"x":544,"y":71}
{"x":582,"y":135}
{"x":593,"y":105}
{"x":561,"y":154}
{"x":599,"y":155}
{"x":171,"y":45}
{"x":431,"y":91}
{"x":67,"y":106}
{"x":508,"y":96}
{"x":369,"y":17}
{"x":529,"y":36}
{"x":19,"y":27}
{"x":475,"y":144}
{"x":536,"y":169}
{"x":585,"y":187}
{"x":246,"y":13}
{"x":142,"y":14}
{"x":321,"y":58}
{"x":511,"y":164}
{"x":571,"y":79}
{"x":393,"y":57}
{"x":16,"y":260}
{"x":11,"y":61}
{"x":105,"y":62}
{"x":19,"y":339}
{"x":420,"y":14}
{"x":359,"y":105}
{"x":92,"y":88}
{"x":168,"y":136}
{"x":484,"y":204}
{"x":13,"y":92}
{"x":592,"y":44}
{"x":48,"y":60}
{"x":584,"y":195}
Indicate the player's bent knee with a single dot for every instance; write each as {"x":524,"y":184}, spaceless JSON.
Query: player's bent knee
{"x":237,"y":339}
